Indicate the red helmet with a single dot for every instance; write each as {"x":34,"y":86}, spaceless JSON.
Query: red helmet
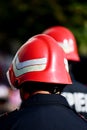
{"x":66,"y":40}
{"x":39,"y":59}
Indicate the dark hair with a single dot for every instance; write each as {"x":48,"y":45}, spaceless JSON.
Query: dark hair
{"x":35,"y":86}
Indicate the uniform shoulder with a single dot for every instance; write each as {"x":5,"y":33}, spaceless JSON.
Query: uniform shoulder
{"x":8,"y":119}
{"x":8,"y":114}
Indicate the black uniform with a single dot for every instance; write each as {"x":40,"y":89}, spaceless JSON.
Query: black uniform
{"x":76,"y":95}
{"x":43,"y":112}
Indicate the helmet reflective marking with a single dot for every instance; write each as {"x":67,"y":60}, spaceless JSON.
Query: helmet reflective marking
{"x":28,"y":66}
{"x":67,"y":45}
{"x":66,"y":64}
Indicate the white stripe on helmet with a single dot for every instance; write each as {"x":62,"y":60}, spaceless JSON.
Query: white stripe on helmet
{"x":28,"y":66}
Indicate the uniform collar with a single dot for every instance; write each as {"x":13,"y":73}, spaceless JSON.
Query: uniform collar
{"x":40,"y":99}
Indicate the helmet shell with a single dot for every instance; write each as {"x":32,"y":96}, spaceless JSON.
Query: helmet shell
{"x":40,"y":59}
{"x":66,"y":40}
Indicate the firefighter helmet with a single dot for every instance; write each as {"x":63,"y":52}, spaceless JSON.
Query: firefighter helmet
{"x":40,"y":59}
{"x":66,"y":40}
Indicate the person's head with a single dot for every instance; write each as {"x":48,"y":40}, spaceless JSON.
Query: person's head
{"x":39,"y":65}
{"x":66,"y":40}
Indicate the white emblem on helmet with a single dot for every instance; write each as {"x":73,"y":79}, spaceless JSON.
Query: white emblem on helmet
{"x":67,"y":45}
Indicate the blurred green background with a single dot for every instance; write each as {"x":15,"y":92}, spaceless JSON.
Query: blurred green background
{"x":20,"y":20}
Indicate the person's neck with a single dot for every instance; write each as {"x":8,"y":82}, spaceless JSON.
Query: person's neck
{"x":41,"y":92}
